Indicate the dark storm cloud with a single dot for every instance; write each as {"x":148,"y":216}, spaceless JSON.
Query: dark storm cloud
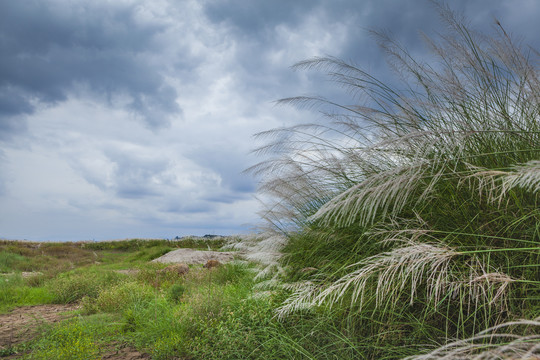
{"x":75,"y":73}
{"x":49,"y":48}
{"x":252,"y":18}
{"x":259,"y":25}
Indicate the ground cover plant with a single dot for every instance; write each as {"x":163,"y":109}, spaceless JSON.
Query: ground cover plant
{"x":121,"y":303}
{"x":412,"y":214}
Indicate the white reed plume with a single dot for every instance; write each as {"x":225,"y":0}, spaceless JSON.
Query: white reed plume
{"x":495,"y":184}
{"x":264,"y":249}
{"x":394,"y":271}
{"x":400,"y":272}
{"x":526,"y":176}
{"x":501,"y":342}
{"x":302,"y":298}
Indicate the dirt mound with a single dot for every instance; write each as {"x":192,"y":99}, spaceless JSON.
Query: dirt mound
{"x":191,"y":256}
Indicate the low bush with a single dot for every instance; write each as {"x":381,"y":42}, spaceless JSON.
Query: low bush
{"x":73,"y":286}
{"x":10,"y":261}
{"x":15,"y":292}
{"x":176,"y":292}
{"x":119,"y":297}
{"x":168,"y":346}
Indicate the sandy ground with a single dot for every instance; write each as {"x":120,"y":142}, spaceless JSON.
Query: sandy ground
{"x":191,"y":256}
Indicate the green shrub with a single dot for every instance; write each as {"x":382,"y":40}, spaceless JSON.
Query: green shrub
{"x":15,"y":292}
{"x":147,"y":322}
{"x":71,"y":287}
{"x":243,"y":329}
{"x":168,"y":347}
{"x":117,"y":298}
{"x":176,"y":292}
{"x":150,"y":274}
{"x":10,"y":262}
{"x":230,"y":273}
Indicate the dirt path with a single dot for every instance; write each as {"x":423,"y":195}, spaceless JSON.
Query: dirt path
{"x":123,"y":352}
{"x":22,"y":324}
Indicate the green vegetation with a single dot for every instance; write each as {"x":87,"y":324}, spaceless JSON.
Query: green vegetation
{"x":163,"y":314}
{"x":412,"y":216}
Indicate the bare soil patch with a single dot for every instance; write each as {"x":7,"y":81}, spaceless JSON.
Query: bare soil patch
{"x":22,"y":323}
{"x":124,"y":352}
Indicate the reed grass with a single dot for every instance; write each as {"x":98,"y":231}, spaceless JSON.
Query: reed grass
{"x":430,"y":188}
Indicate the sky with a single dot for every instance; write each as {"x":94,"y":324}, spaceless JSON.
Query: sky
{"x":135,"y":118}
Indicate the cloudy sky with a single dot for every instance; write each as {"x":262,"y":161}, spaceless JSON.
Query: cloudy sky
{"x":126,"y":118}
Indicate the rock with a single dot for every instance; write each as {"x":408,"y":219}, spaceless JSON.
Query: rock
{"x":192,"y":256}
{"x":212,"y":264}
{"x":179,"y":269}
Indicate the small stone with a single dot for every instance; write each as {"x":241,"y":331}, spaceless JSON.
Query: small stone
{"x":212,"y":264}
{"x":179,"y":269}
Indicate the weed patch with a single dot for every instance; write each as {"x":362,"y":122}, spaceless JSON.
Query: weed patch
{"x":73,"y":286}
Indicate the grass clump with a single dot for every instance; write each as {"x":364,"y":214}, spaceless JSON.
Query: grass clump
{"x":117,"y":298}
{"x":12,"y":261}
{"x":417,"y":206}
{"x":15,"y":291}
{"x":73,"y":286}
{"x":176,"y":292}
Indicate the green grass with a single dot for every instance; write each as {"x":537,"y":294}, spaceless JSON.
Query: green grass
{"x":16,"y":291}
{"x":162,"y":314}
{"x":72,"y":286}
{"x":417,"y":206}
{"x":138,"y":244}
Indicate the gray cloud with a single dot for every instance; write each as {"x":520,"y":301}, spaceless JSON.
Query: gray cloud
{"x":47,"y":48}
{"x":258,"y":17}
{"x":135,"y":117}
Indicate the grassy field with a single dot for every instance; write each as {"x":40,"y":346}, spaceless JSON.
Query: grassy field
{"x":208,"y":313}
{"x":122,"y":302}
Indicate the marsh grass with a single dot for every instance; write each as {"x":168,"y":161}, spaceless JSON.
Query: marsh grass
{"x":71,"y":341}
{"x":418,"y":204}
{"x":216,"y":314}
